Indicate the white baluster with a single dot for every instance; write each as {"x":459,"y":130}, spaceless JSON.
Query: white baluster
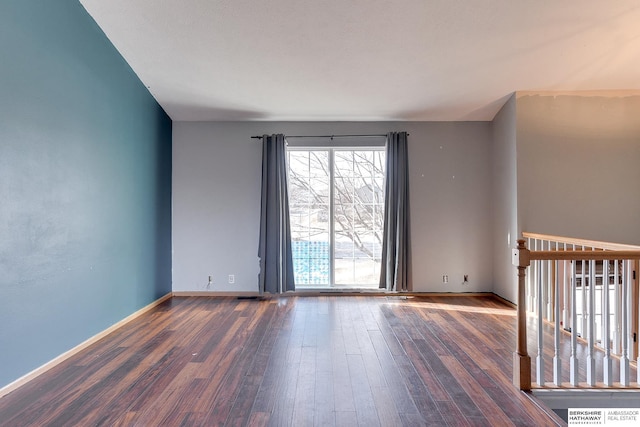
{"x":625,"y":315}
{"x":631,"y":275}
{"x":549,"y":288}
{"x":535,"y":272}
{"x":540,"y":357}
{"x":591,"y":324}
{"x":545,"y":282}
{"x":573,"y":360}
{"x":529,"y":273}
{"x":607,"y":364}
{"x":617,"y":304}
{"x":565,"y":292}
{"x":543,"y":290}
{"x":637,"y":302}
{"x":583,"y":306}
{"x":544,"y":294}
{"x":557,"y":372}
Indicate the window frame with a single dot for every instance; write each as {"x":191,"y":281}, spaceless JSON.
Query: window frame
{"x":331,"y":146}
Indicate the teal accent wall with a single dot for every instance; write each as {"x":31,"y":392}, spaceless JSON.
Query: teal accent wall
{"x":85,"y":185}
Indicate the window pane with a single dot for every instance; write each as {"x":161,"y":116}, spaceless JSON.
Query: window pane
{"x":319,"y":191}
{"x":343,"y":163}
{"x":299,"y":163}
{"x":309,"y":213}
{"x":363,"y":163}
{"x":378,"y":189}
{"x":344,"y":271}
{"x":319,"y":164}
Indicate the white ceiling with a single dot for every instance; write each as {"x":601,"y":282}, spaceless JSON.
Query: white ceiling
{"x":368,"y":59}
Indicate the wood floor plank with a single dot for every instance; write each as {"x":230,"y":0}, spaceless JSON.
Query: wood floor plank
{"x":258,"y":419}
{"x":385,"y":406}
{"x":346,"y":419}
{"x":403,"y":400}
{"x":273,"y":380}
{"x":486,"y":405}
{"x":452,"y":414}
{"x":291,"y":361}
{"x":342,"y":389}
{"x":304,"y":403}
{"x":366,"y":410}
{"x":283,"y":391}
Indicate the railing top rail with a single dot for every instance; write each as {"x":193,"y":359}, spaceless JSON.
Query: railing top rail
{"x":582,"y":242}
{"x":583,"y":255}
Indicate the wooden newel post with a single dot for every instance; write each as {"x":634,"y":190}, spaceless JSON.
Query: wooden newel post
{"x":521,"y":359}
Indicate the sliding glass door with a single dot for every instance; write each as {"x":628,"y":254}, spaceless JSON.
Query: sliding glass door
{"x":336,"y":202}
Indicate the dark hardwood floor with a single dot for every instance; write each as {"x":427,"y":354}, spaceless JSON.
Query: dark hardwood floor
{"x":299,"y":361}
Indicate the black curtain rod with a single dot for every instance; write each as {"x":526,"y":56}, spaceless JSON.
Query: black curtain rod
{"x":331,"y":136}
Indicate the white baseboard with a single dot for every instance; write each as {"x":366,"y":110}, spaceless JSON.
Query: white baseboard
{"x":215,"y":294}
{"x":64,"y":356}
{"x":329,"y":291}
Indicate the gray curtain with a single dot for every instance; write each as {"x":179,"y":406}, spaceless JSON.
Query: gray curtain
{"x":276,"y":260}
{"x":395,"y":272}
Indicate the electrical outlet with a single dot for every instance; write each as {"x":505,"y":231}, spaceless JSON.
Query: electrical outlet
{"x":232,"y":278}
{"x":445,"y":278}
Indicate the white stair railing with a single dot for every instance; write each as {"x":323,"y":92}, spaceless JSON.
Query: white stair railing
{"x":586,"y":289}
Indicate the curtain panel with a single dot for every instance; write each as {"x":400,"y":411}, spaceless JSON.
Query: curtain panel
{"x":274,"y":251}
{"x":395,"y":270}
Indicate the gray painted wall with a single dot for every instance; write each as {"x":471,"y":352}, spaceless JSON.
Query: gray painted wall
{"x":578,"y":171}
{"x":216,"y":200}
{"x":85,"y":169}
{"x":505,"y":200}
